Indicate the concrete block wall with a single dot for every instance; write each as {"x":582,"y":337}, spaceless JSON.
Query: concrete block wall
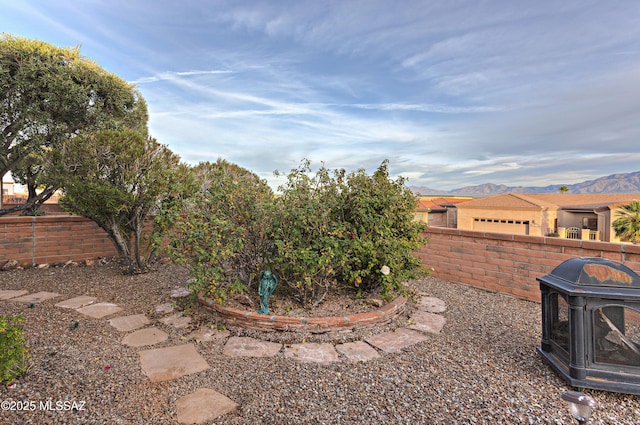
{"x":52,"y":239}
{"x":494,"y":261}
{"x":510,"y":263}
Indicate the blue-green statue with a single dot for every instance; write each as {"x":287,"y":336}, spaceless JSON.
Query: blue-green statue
{"x":268,"y":283}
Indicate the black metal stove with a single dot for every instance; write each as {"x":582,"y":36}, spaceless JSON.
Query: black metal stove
{"x":591,"y":324}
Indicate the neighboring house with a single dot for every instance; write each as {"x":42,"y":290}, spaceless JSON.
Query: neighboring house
{"x":576,"y":216}
{"x":7,"y":188}
{"x":438,"y":210}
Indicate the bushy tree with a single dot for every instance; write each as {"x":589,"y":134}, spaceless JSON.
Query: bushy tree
{"x":332,"y":228}
{"x":219,"y":231}
{"x":627,"y":225}
{"x":117,"y":179}
{"x":48,"y":95}
{"x":379,"y":213}
{"x":307,"y":228}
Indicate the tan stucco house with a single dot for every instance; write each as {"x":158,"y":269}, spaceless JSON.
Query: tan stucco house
{"x":577,"y":216}
{"x":438,"y":210}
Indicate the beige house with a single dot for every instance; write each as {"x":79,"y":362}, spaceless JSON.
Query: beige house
{"x":574,"y":216}
{"x":438,"y":210}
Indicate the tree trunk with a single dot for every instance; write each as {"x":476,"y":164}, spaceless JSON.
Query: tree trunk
{"x":31,"y":202}
{"x":121,"y":243}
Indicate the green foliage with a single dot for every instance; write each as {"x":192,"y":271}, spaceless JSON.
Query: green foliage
{"x":14,"y":356}
{"x":306,"y":230}
{"x":336,"y":229}
{"x":326,"y":229}
{"x":219,"y":230}
{"x":117,"y":179}
{"x":627,"y":225}
{"x":379,"y":212}
{"x":49,"y":95}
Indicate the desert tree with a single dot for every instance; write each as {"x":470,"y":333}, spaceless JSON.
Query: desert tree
{"x":49,"y":95}
{"x":118,"y":179}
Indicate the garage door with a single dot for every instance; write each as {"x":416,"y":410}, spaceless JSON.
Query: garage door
{"x":515,"y":227}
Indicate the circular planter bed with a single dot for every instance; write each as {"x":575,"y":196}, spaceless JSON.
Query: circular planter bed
{"x":264,"y":322}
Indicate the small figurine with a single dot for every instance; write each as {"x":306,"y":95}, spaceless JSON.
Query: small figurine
{"x":268,"y":283}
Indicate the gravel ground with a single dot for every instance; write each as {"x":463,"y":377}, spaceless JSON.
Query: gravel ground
{"x":482,"y":369}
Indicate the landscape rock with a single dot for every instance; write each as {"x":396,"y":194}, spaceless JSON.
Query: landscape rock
{"x":203,"y":405}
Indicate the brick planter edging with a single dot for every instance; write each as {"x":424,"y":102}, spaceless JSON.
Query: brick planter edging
{"x":265,"y":322}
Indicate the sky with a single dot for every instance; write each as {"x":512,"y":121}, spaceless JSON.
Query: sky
{"x":452,"y":93}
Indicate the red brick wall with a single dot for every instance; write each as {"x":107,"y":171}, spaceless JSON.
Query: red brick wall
{"x":495,"y":261}
{"x":52,"y":239}
{"x":510,"y":263}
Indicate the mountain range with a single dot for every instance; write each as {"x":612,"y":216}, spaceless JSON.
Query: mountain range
{"x":615,"y":183}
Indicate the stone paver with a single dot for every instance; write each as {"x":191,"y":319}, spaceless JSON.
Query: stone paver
{"x":205,"y":334}
{"x":203,"y":405}
{"x":250,"y":347}
{"x":163,"y":364}
{"x":358,"y":351}
{"x":177,"y":320}
{"x":312,"y":353}
{"x":36,"y":297}
{"x":392,"y":342}
{"x":164,"y":308}
{"x":180,"y":292}
{"x":427,"y":322}
{"x":431,"y":305}
{"x":77,"y":302}
{"x":100,"y":310}
{"x":146,"y":336}
{"x":129,"y":323}
{"x":11,"y":293}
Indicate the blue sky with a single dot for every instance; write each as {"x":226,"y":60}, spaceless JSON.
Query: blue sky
{"x":453,"y":93}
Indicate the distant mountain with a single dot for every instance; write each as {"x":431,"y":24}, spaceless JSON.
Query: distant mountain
{"x":615,"y":183}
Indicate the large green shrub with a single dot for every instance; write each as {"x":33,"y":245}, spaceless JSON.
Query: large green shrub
{"x":14,"y":356}
{"x":306,"y":231}
{"x":379,"y":214}
{"x":326,"y":229}
{"x":220,"y":229}
{"x":331,"y":228}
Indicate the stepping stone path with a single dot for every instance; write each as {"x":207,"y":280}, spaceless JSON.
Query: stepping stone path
{"x":203,"y":405}
{"x":100,"y":310}
{"x":36,"y":298}
{"x":8,"y":294}
{"x":129,"y":323}
{"x":205,"y":334}
{"x":164,"y":308}
{"x":250,"y":347}
{"x":358,"y":351}
{"x":427,"y":322}
{"x":164,"y":364}
{"x":146,"y":336}
{"x":312,"y":352}
{"x":431,"y":305}
{"x":178,"y":321}
{"x":77,"y":302}
{"x":172,"y":362}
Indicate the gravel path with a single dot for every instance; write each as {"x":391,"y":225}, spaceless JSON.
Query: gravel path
{"x":482,"y":368}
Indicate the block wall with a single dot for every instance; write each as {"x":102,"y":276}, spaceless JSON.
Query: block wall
{"x":52,"y":239}
{"x":510,"y":263}
{"x":494,"y":261}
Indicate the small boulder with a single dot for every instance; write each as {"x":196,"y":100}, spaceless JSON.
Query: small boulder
{"x":10,"y":265}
